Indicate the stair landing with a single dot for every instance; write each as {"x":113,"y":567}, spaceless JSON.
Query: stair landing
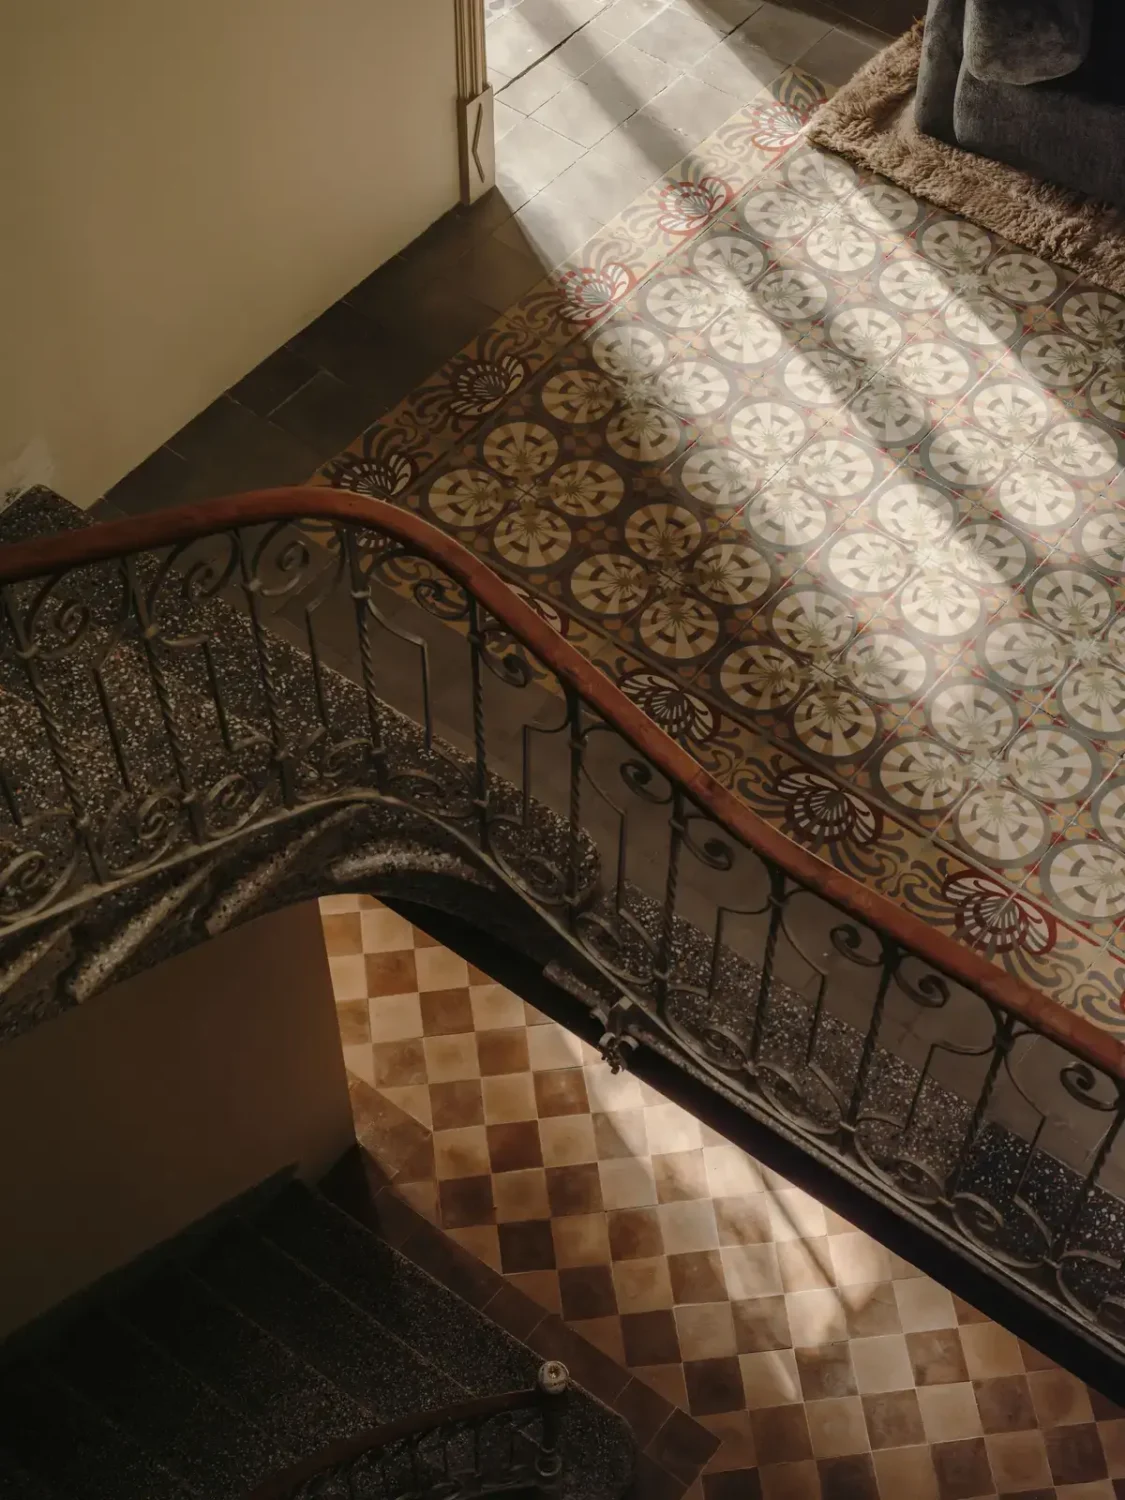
{"x":820,"y":1365}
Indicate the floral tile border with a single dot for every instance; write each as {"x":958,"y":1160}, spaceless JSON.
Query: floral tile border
{"x":452,"y":411}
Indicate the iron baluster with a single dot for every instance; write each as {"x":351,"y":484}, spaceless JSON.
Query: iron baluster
{"x":56,"y":739}
{"x":1061,"y":1241}
{"x":150,"y":635}
{"x":552,"y":1384}
{"x":576,"y":747}
{"x":776,"y":903}
{"x":317,"y":669}
{"x":890,"y":958}
{"x":112,"y":730}
{"x":217,"y":697}
{"x":11,"y":801}
{"x":1001,"y":1046}
{"x":279,"y":740}
{"x":361,"y":600}
{"x":480,"y":739}
{"x":676,"y":829}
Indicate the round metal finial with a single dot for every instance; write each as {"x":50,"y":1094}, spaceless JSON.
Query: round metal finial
{"x":553,"y":1377}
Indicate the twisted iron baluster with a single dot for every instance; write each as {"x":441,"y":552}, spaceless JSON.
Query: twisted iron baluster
{"x":217,"y":697}
{"x":890,"y":958}
{"x":776,"y":902}
{"x":480,"y":741}
{"x":177,"y":745}
{"x":56,"y":739}
{"x":576,"y":746}
{"x":11,"y":801}
{"x":1002,"y":1045}
{"x":361,"y":598}
{"x":112,"y":730}
{"x":676,"y":827}
{"x":1060,"y":1243}
{"x":282,"y":751}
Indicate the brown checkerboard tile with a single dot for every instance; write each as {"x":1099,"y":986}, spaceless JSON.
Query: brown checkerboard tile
{"x":828,"y":1368}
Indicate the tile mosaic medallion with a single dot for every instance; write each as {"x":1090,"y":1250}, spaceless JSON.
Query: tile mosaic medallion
{"x":822,"y":1366}
{"x":831,"y":483}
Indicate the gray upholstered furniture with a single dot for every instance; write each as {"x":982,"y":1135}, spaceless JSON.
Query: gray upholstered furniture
{"x":1039,"y":84}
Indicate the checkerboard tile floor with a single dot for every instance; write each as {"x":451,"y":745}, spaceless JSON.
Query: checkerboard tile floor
{"x":829,"y":1368}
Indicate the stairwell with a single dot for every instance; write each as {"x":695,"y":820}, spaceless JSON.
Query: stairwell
{"x":814,"y":1052}
{"x":215,"y":1365}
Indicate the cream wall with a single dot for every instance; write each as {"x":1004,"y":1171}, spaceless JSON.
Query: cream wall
{"x":125,"y":1120}
{"x":185,"y":185}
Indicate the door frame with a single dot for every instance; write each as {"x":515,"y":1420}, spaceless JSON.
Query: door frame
{"x":476,"y":142}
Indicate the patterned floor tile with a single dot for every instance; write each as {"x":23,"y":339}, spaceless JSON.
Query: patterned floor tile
{"x":840,"y":475}
{"x":825,"y":1365}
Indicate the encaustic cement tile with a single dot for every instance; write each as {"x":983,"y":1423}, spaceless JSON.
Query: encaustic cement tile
{"x":823,"y":478}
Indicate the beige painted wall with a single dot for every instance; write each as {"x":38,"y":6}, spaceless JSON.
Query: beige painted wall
{"x":183,"y":187}
{"x":126,"y":1120}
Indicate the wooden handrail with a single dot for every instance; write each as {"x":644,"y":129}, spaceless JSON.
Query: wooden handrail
{"x":52,"y":554}
{"x":345,"y":1450}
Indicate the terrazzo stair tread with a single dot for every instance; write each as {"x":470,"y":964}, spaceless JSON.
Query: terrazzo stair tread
{"x":36,"y":513}
{"x":166,"y":1407}
{"x":396,"y":1294}
{"x":246,"y":1367}
{"x":57,"y":1434}
{"x":381,"y":1375}
{"x":18,"y":1483}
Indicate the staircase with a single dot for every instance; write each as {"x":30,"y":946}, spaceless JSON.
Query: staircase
{"x":290,"y":1329}
{"x":213,"y":713}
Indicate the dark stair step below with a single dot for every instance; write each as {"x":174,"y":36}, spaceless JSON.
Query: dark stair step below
{"x":56,"y":1434}
{"x":403,"y":1299}
{"x":375,"y":1368}
{"x":170,"y":1410}
{"x":245,"y":1366}
{"x":16,"y":1483}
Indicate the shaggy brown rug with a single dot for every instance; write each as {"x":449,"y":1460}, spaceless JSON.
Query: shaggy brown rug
{"x":871,"y":122}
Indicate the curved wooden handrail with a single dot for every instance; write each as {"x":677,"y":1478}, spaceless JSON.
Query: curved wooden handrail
{"x":345,"y":1450}
{"x":45,"y":555}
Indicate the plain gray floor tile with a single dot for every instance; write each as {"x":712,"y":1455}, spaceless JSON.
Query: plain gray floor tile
{"x":692,"y":109}
{"x":836,"y":57}
{"x":538,"y":84}
{"x":677,"y":36}
{"x":624,"y":17}
{"x":521,"y":37}
{"x":528,"y":158}
{"x":610,"y":92}
{"x":738,"y":66}
{"x":549,"y":227}
{"x":609,"y":176}
{"x":785,"y":33}
{"x":504,"y":118}
{"x":722,"y":15}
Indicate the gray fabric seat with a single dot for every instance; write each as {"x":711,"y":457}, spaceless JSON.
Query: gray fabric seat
{"x":1039,"y":84}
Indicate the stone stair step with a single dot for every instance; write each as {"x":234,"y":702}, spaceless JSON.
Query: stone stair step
{"x":377,"y":1370}
{"x":399,"y":1296}
{"x":64,"y":1439}
{"x":169,"y":1409}
{"x":245,"y":1366}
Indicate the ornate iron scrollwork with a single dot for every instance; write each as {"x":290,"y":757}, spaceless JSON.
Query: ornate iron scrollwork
{"x":165,"y":704}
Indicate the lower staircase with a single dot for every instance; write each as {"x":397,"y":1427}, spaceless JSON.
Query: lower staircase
{"x":216,"y":1367}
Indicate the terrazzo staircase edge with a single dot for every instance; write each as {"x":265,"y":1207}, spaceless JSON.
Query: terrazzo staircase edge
{"x":155,"y":914}
{"x":287,"y":1329}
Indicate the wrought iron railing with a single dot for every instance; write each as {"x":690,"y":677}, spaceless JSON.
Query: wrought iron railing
{"x":271,"y":666}
{"x":495,"y":1445}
